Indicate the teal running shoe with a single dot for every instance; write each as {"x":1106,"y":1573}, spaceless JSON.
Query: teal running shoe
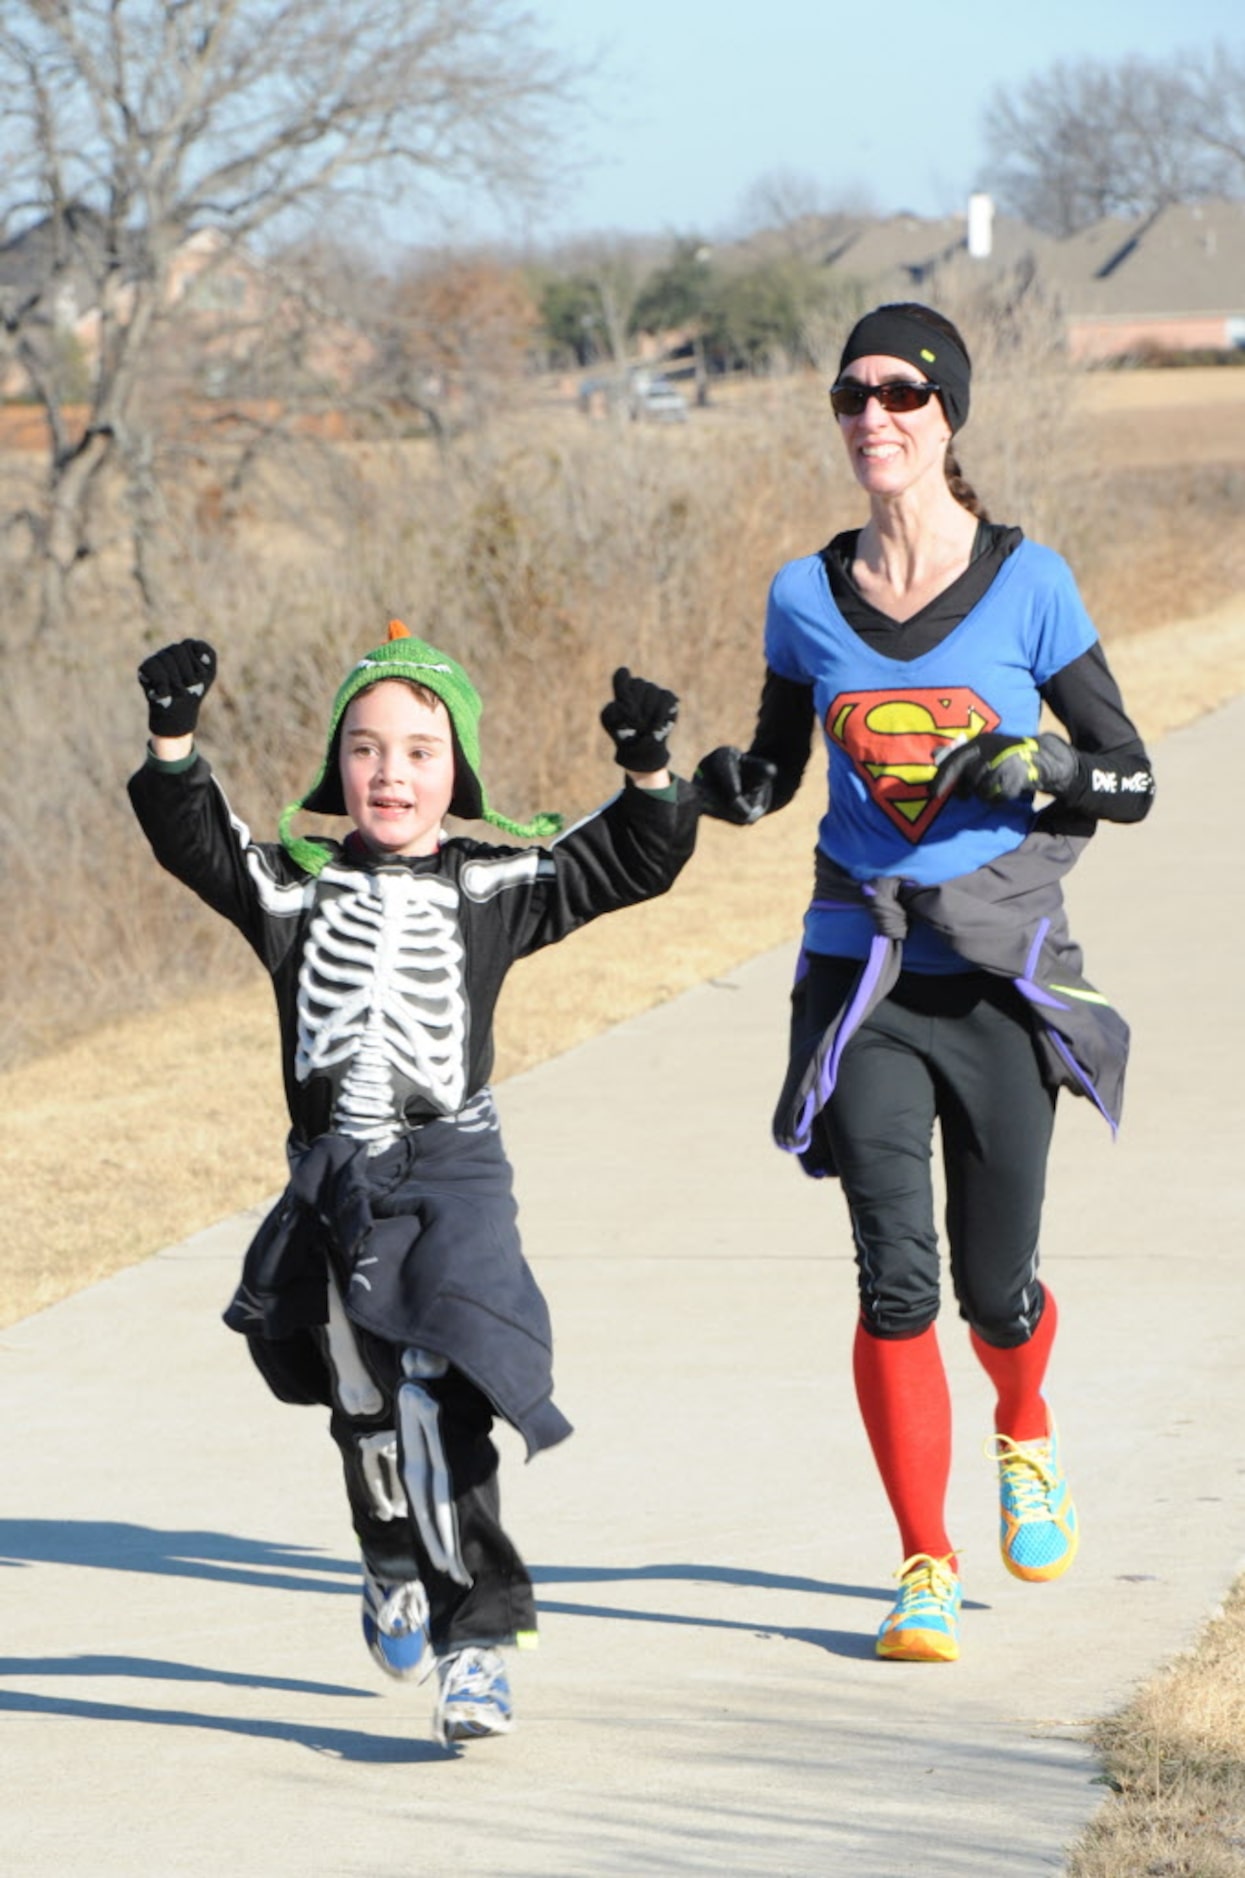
{"x":1038,"y":1529}
{"x":924,"y":1626}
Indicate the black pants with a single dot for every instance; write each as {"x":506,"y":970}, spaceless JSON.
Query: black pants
{"x":956,"y":1050}
{"x":422,"y":1440}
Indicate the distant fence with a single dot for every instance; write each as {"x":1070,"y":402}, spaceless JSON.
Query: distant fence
{"x":25,"y":426}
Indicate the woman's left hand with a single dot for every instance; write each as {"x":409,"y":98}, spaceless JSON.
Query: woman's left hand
{"x":1002,"y":768}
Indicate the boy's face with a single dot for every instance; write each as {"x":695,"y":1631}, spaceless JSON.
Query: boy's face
{"x":397,"y":768}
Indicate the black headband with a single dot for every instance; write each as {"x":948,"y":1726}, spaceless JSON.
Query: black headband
{"x":890,"y":332}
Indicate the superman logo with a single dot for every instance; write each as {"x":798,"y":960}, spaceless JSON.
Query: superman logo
{"x":893,"y":737}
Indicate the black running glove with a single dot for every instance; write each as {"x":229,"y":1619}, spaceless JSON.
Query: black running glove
{"x":1001,"y":768}
{"x":640,"y":719}
{"x":176,"y":681}
{"x":734,"y":787}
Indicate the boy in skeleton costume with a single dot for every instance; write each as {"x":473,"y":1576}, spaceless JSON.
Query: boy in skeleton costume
{"x":389,"y":1283}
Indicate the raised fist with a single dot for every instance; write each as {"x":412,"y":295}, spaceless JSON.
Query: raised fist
{"x":639,"y":719}
{"x":176,"y":680}
{"x":734,"y":787}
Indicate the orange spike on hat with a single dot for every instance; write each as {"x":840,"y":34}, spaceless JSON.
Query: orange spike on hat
{"x":398,"y":631}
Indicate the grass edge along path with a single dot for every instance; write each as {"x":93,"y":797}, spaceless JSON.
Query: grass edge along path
{"x":1173,"y":1762}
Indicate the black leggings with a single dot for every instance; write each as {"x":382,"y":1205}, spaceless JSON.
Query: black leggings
{"x":955,"y":1049}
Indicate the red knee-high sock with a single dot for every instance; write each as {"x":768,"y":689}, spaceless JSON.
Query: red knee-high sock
{"x":902,"y":1390}
{"x":1017,"y":1376}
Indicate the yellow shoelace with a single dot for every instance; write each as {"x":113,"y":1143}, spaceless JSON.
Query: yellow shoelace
{"x":1027,"y":1470}
{"x":923,"y":1576}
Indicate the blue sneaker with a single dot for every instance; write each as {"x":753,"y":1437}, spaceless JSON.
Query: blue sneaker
{"x":1038,"y":1530}
{"x":475,"y":1696}
{"x":924,"y":1626}
{"x":395,"y":1626}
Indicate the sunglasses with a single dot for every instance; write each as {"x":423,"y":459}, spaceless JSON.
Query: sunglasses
{"x":849,"y":397}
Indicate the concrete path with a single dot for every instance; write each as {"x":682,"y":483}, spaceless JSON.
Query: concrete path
{"x":183,"y":1688}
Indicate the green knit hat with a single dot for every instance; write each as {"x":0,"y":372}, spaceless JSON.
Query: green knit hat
{"x":412,"y":659}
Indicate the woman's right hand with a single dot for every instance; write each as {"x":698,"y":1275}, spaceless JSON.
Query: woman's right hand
{"x":734,"y":787}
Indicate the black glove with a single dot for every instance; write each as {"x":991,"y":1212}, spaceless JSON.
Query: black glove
{"x":176,"y":681}
{"x":639,"y":720}
{"x":1001,"y":768}
{"x":734,"y":787}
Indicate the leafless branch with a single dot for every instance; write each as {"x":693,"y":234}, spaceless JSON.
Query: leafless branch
{"x":128,"y":127}
{"x":1090,"y":139}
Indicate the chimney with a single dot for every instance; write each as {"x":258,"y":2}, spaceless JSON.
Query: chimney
{"x":980,"y":226}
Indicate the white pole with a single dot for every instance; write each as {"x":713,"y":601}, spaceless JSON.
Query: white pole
{"x":980,"y":226}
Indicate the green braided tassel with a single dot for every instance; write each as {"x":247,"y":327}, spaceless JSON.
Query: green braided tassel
{"x":310,"y":852}
{"x":541,"y":826}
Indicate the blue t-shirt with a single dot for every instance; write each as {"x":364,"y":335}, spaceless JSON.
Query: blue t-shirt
{"x":885,"y":720}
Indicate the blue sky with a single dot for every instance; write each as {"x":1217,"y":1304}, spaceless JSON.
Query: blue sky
{"x":879,"y":104}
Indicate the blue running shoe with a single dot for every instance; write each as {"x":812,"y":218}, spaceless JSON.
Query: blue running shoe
{"x":395,"y":1626}
{"x":475,"y":1696}
{"x":1038,"y":1530}
{"x":924,"y":1626}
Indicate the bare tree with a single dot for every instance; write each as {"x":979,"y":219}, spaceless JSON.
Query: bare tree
{"x":453,"y":338}
{"x":588,"y":290}
{"x":128,"y":127}
{"x":611,"y":270}
{"x":1217,"y":95}
{"x":1090,"y":139}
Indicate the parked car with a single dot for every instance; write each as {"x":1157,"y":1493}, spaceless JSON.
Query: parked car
{"x":657,"y":398}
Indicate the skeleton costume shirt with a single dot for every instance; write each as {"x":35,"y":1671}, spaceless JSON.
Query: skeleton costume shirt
{"x":386,"y":974}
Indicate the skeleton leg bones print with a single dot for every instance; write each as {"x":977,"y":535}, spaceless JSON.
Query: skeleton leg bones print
{"x":401,"y":1469}
{"x":421,"y":1478}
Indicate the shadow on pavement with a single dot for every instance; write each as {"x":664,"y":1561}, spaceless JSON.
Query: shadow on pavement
{"x":834,"y":1642}
{"x":112,"y":1545}
{"x":223,"y":1558}
{"x":343,"y":1744}
{"x":159,"y":1669}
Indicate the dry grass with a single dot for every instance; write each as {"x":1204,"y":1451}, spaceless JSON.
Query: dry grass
{"x":1167,"y":546}
{"x":1174,"y":1760}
